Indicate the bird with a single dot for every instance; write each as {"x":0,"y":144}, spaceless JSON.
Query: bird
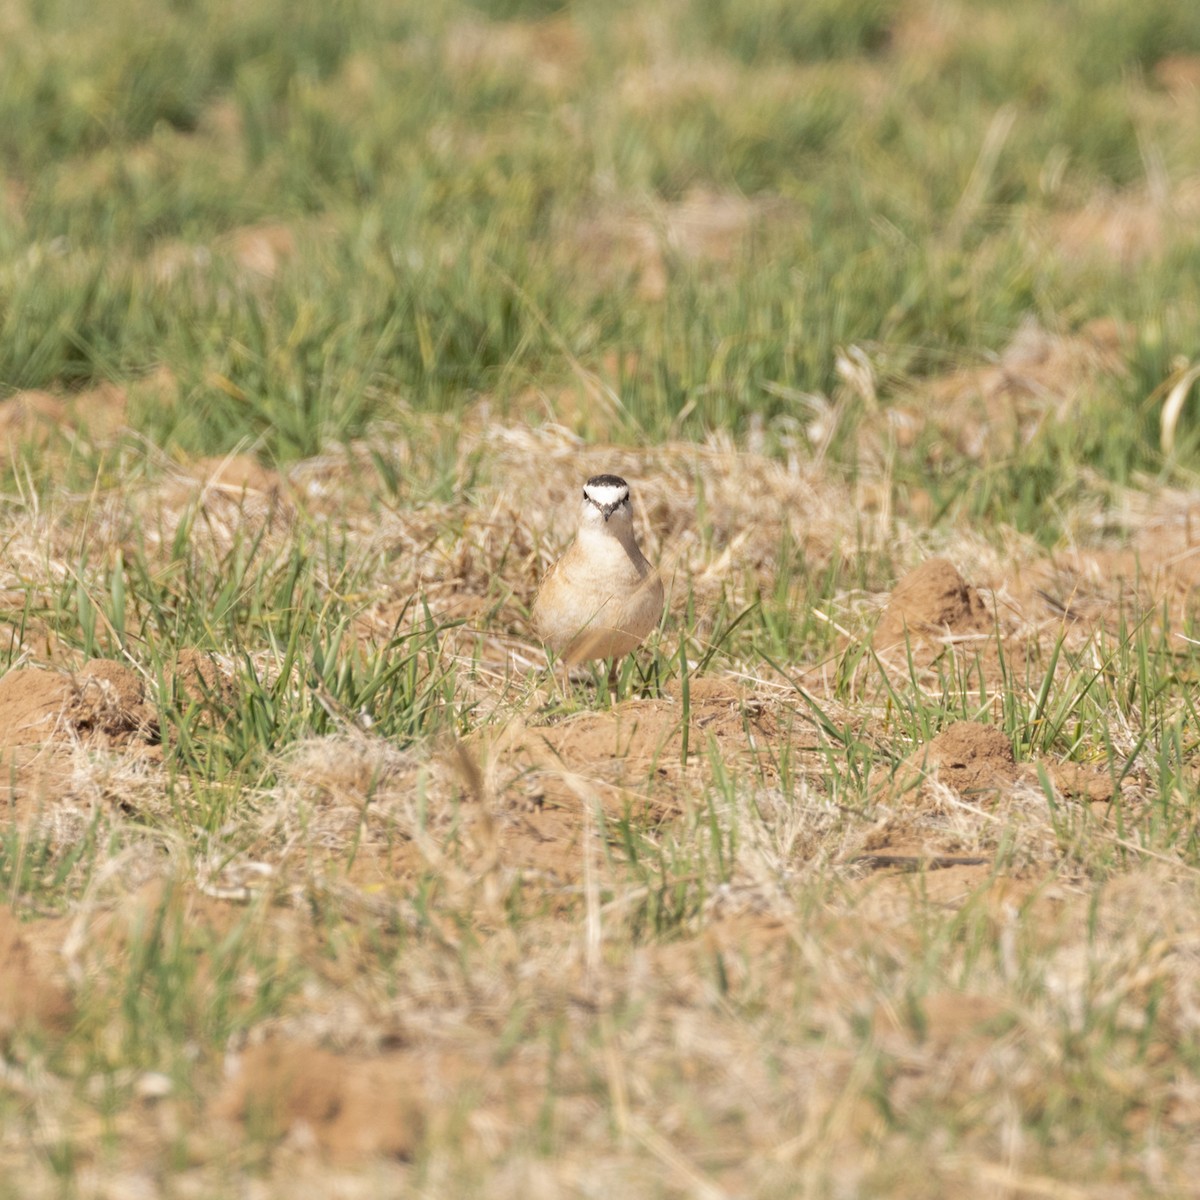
{"x":601,"y":597}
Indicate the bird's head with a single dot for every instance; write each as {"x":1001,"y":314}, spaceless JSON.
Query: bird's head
{"x":606,"y":502}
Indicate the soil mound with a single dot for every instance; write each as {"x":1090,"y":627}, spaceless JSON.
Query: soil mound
{"x":34,"y":417}
{"x":967,"y":756}
{"x":932,"y":602}
{"x":236,"y":473}
{"x":353,"y":1107}
{"x":974,"y":758}
{"x":28,"y":998}
{"x":1039,"y":376}
{"x":232,"y":495}
{"x":200,"y":679}
{"x":104,"y":701}
{"x":639,"y":740}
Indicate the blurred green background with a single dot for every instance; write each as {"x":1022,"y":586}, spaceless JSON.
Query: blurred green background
{"x":298,"y":218}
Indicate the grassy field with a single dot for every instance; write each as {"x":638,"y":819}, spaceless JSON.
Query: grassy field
{"x":881,"y":876}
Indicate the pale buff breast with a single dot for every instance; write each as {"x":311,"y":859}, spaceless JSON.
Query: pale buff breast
{"x":598,"y":602}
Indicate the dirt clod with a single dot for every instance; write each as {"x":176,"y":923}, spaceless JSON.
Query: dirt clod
{"x":28,"y":997}
{"x":104,"y":700}
{"x":31,"y":705}
{"x":198,"y":678}
{"x":352,"y":1107}
{"x":933,"y":601}
{"x":34,"y":416}
{"x":1083,"y":781}
{"x":967,"y":756}
{"x":974,"y":758}
{"x":969,"y":746}
{"x":235,"y":473}
{"x":110,"y":699}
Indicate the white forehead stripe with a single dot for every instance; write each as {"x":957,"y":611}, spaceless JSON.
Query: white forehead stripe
{"x":606,"y":495}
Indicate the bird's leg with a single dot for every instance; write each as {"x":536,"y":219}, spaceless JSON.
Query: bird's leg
{"x":612,"y":683}
{"x":559,"y":672}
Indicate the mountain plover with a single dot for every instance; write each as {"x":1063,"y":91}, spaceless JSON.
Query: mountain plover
{"x":602,"y":597}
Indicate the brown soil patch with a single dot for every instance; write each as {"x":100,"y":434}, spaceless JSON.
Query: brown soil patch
{"x":1126,"y":227}
{"x":551,"y":783}
{"x":353,"y":1107}
{"x":942,"y":813}
{"x":110,"y":702}
{"x":236,"y":474}
{"x":31,"y":417}
{"x":101,"y":411}
{"x":967,"y":756}
{"x":45,"y":715}
{"x":750,"y":951}
{"x":891,"y":899}
{"x":32,"y":703}
{"x":29,"y":998}
{"x":936,"y":622}
{"x":547,"y":842}
{"x":974,"y":759}
{"x":939,"y":1021}
{"x":104,"y":701}
{"x":642,"y":740}
{"x":984,"y":412}
{"x":933,"y":604}
{"x":259,"y":251}
{"x":201,"y":679}
{"x":705,"y":226}
{"x":1154,"y":573}
{"x":228,"y":495}
{"x":34,"y":416}
{"x":548,"y":53}
{"x":1081,"y":781}
{"x":136,"y":914}
{"x":1179,"y":74}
